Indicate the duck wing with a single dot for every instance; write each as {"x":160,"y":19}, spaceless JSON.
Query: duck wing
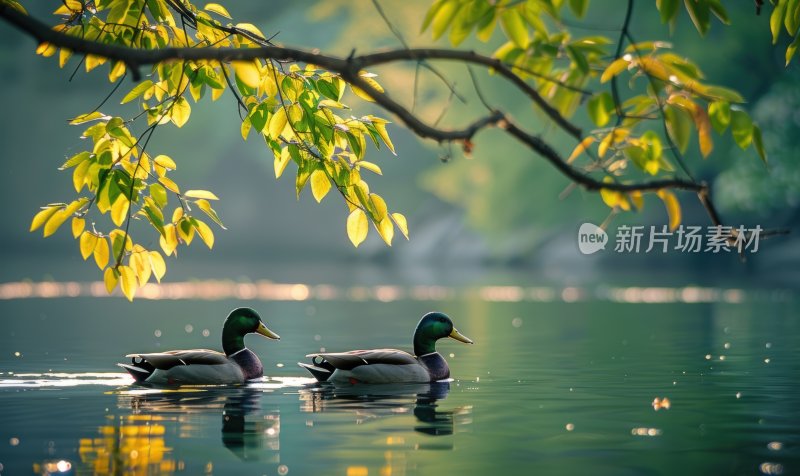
{"x":356,"y":358}
{"x":174,"y":358}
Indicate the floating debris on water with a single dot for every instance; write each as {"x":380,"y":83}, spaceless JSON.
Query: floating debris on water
{"x":659,"y":403}
{"x":645,"y":431}
{"x":570,"y":427}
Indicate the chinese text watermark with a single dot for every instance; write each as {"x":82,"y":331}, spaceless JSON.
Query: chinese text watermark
{"x":659,"y":239}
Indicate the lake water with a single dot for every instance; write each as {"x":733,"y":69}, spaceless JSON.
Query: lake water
{"x":559,"y":381}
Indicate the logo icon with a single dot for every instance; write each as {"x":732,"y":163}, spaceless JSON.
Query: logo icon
{"x":591,"y":238}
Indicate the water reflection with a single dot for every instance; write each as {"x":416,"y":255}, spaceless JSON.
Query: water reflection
{"x":246,"y":431}
{"x":367,"y":402}
{"x":131,"y":445}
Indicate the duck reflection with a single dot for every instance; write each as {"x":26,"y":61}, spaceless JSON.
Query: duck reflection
{"x":248,"y":432}
{"x":368,"y":402}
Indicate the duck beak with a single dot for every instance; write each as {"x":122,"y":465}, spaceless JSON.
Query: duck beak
{"x":262,"y":329}
{"x":460,"y":337}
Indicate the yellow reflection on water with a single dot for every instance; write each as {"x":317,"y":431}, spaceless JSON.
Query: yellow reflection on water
{"x":130,"y":445}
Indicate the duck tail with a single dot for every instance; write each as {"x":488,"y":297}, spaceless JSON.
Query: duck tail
{"x":140,"y":371}
{"x":321,"y":371}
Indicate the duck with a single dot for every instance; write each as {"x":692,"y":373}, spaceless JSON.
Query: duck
{"x":391,"y":365}
{"x":236,"y":365}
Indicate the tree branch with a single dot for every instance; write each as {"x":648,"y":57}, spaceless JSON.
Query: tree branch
{"x":350,"y":68}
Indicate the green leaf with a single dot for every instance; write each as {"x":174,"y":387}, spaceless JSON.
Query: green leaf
{"x":792,"y":18}
{"x":718,"y":92}
{"x":758,"y":143}
{"x":514,"y":27}
{"x":791,"y":49}
{"x":776,"y":20}
{"x":720,"y":114}
{"x":443,"y":17}
{"x":741,"y":128}
{"x":700,"y":13}
{"x":579,"y":7}
{"x":259,"y":116}
{"x":600,"y":107}
{"x":159,"y":194}
{"x":679,"y":126}
{"x":357,"y":226}
{"x":92,"y":116}
{"x":137,"y":91}
{"x":668,"y":9}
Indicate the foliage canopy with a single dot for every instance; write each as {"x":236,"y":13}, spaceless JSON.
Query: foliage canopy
{"x":297,"y":102}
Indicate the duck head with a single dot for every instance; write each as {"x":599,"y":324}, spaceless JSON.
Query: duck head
{"x":240,"y":322}
{"x":432,"y":327}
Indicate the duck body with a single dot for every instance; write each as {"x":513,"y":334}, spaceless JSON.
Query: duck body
{"x":391,"y":365}
{"x":204,"y":366}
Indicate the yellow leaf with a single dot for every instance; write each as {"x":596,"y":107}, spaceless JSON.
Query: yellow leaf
{"x":77,"y":226}
{"x":169,"y":242}
{"x":401,"y":223}
{"x":165,"y":162}
{"x":218,"y":9}
{"x":205,"y":233}
{"x":320,"y":185}
{"x":277,"y":122}
{"x":46,"y":49}
{"x":673,"y":207}
{"x":381,"y":128}
{"x":580,"y":148}
{"x":55,"y":221}
{"x":169,"y":184}
{"x":614,"y":69}
{"x":370,"y":166}
{"x":63,"y":57}
{"x":41,"y":218}
{"x":180,"y":111}
{"x":637,"y":199}
{"x":119,"y":210}
{"x":249,"y":27}
{"x":703,"y":131}
{"x":101,"y":253}
{"x":205,"y":194}
{"x":379,"y":206}
{"x":281,"y":162}
{"x":110,"y":278}
{"x":357,"y":226}
{"x":87,"y":242}
{"x":140,"y":263}
{"x":385,"y":228}
{"x":79,"y":175}
{"x":247,"y":72}
{"x":158,"y":265}
{"x":185,"y":231}
{"x":127,"y":282}
{"x":361,"y":93}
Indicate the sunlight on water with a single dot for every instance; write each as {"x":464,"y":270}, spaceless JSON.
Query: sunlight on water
{"x":214,"y":290}
{"x":61,"y":379}
{"x":116,"y":379}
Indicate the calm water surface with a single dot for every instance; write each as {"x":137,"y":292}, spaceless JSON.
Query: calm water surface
{"x":548,"y":388}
